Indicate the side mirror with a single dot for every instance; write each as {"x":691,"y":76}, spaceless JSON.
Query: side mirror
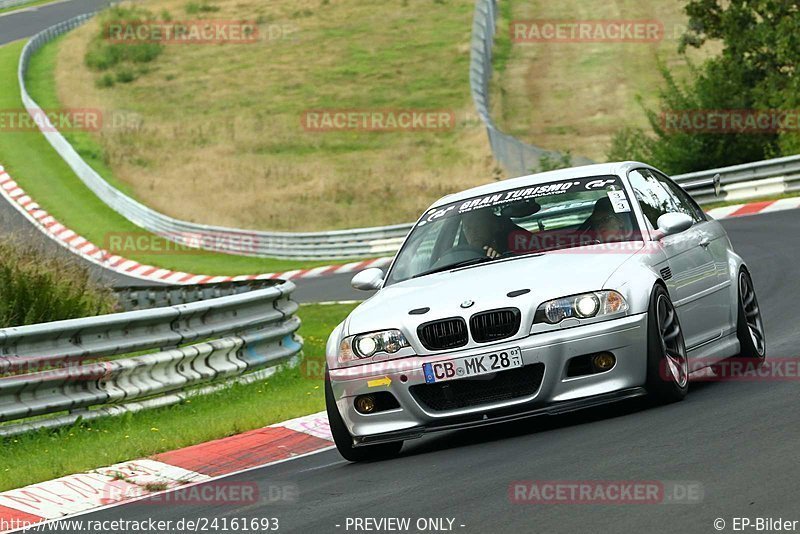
{"x":674,"y":223}
{"x":368,"y":279}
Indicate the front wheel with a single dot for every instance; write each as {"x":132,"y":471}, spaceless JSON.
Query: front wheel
{"x":667,"y":364}
{"x":750,"y":326}
{"x":343,"y":439}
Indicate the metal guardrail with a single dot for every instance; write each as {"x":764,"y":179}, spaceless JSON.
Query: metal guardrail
{"x":126,"y":361}
{"x":748,"y":180}
{"x":158,"y":296}
{"x":339,"y":244}
{"x":516,"y":157}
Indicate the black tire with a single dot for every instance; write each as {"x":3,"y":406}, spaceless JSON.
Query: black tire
{"x":667,"y":364}
{"x":750,"y":325}
{"x":343,"y":439}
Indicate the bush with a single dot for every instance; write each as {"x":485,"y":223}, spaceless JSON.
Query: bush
{"x":192,"y":8}
{"x":106,"y":80}
{"x":552,"y":162}
{"x":103,"y":53}
{"x":125,"y":75}
{"x":755,"y":71}
{"x":715,"y":86}
{"x":38,"y":287}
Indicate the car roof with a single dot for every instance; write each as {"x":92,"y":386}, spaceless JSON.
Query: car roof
{"x":619,"y":168}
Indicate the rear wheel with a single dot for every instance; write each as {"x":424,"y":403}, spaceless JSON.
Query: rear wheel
{"x":667,"y":364}
{"x":343,"y":439}
{"x":750,"y":326}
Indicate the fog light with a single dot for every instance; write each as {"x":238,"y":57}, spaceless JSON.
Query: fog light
{"x":603,"y":361}
{"x":365,"y":404}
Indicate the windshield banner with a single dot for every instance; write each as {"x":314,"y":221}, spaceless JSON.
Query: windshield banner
{"x":520,"y":194}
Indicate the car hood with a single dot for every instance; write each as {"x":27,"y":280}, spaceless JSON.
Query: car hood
{"x":547,"y":276}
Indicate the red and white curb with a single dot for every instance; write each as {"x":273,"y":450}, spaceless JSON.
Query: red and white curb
{"x":754,"y":208}
{"x":180,"y":469}
{"x":81,"y":246}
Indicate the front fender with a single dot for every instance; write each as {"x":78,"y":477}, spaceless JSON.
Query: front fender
{"x":636,"y":277}
{"x":332,"y":346}
{"x":735,"y":263}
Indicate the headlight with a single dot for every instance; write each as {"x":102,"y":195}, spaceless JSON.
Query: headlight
{"x":367,"y":345}
{"x":581,"y":306}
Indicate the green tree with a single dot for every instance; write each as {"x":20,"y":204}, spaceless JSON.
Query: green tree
{"x":755,"y":71}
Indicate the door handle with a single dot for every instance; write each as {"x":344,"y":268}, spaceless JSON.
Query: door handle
{"x":705,"y":242}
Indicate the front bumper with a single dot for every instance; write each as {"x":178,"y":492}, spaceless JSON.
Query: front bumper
{"x":625,"y":337}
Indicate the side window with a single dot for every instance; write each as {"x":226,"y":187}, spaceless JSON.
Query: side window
{"x":652,"y":197}
{"x":683,"y":201}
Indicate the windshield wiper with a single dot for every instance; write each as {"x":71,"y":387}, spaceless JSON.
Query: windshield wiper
{"x":464,"y":263}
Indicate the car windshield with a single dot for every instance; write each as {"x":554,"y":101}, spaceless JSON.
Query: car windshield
{"x":531,"y":219}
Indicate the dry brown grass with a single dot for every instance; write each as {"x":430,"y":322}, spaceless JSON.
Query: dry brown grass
{"x":574,"y":96}
{"x":218,"y":136}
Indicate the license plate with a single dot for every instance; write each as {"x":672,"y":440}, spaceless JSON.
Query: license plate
{"x":468,"y":366}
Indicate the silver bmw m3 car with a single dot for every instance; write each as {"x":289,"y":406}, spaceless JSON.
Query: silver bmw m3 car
{"x":538,"y":295}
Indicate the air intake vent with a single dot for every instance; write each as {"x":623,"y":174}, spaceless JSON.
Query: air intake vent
{"x":443,"y":334}
{"x":466,"y":392}
{"x":494,"y":325}
{"x":666,"y":273}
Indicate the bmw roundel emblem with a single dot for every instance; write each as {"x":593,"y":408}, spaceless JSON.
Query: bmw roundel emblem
{"x":467,"y":304}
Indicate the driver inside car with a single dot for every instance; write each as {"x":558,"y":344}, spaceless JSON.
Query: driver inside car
{"x":488,"y":232}
{"x":604,"y":225}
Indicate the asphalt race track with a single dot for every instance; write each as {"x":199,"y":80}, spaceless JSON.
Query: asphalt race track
{"x":737,"y":439}
{"x":28,"y":21}
{"x":328,"y":289}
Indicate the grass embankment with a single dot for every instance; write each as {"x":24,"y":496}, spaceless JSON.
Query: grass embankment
{"x":33,"y":163}
{"x":294,"y":392}
{"x":217,"y":133}
{"x":39,"y":287}
{"x":575,"y":95}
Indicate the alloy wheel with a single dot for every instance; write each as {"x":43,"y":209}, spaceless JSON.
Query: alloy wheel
{"x":752,"y":312}
{"x":672,"y":344}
